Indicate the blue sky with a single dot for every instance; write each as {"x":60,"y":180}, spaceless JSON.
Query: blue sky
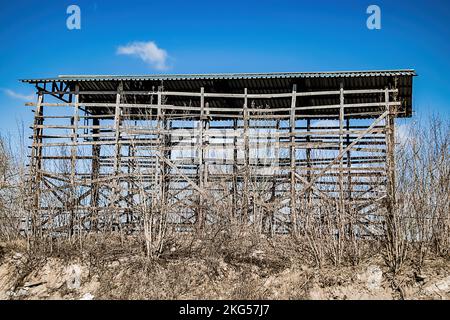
{"x":223,"y":36}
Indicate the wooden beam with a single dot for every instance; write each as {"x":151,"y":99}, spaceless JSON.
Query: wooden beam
{"x":341,"y":148}
{"x":293,"y":158}
{"x":201,"y":123}
{"x":245,"y":205}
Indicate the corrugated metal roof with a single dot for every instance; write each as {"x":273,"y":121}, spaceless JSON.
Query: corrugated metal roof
{"x":255,"y":83}
{"x":224,"y":76}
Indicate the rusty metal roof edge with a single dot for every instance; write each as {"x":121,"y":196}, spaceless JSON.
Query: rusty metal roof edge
{"x":218,"y":76}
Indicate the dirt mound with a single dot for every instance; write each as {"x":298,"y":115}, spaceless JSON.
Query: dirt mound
{"x":129,"y":277}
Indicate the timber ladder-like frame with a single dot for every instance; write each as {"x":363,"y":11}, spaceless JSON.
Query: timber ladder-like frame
{"x":108,"y":152}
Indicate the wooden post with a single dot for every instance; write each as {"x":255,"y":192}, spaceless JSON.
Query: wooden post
{"x":168,"y":155}
{"x":246,"y":160}
{"x":390,"y":156}
{"x":292,"y":158}
{"x":36,"y":159}
{"x":308,"y":162}
{"x":201,"y":178}
{"x":162,"y":145}
{"x":95,"y":174}
{"x":117,"y":157}
{"x":235,"y":169}
{"x":160,"y":164}
{"x":341,"y":148}
{"x":205,"y":143}
{"x":274,"y":183}
{"x":73,"y":163}
{"x":349,"y":164}
{"x":158,"y":149}
{"x":131,"y":167}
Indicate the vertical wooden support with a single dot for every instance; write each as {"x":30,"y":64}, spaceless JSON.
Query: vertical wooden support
{"x":159,"y":174}
{"x":245,"y":205}
{"x":36,"y":158}
{"x":117,"y":157}
{"x":131,"y":166}
{"x":73,"y":163}
{"x":117,"y":120}
{"x":274,"y":181}
{"x":166,"y":150}
{"x":391,"y":223}
{"x":292,"y":158}
{"x":235,"y":168}
{"x":95,"y":174}
{"x":341,"y":149}
{"x":205,"y":143}
{"x":162,"y":145}
{"x":390,"y":156}
{"x":308,"y":162}
{"x":158,"y":147}
{"x":349,"y":164}
{"x":168,"y":155}
{"x":75,"y":121}
{"x":200,"y":214}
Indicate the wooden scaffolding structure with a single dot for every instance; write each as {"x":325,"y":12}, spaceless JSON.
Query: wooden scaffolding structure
{"x":189,"y":150}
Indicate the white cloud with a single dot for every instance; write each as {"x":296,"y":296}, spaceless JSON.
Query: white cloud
{"x":147,"y":52}
{"x":19,"y":96}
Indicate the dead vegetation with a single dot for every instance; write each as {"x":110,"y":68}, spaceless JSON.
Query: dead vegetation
{"x":265,"y":273}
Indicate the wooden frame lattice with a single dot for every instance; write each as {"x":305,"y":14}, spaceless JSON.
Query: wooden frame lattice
{"x":94,"y":165}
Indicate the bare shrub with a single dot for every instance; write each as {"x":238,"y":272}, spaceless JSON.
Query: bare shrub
{"x":423,"y":192}
{"x":13,"y":185}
